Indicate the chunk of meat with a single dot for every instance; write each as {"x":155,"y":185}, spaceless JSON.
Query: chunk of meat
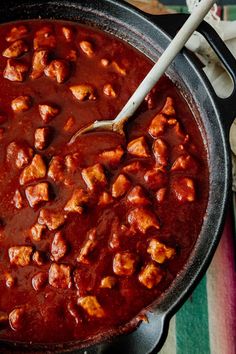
{"x":16,"y":49}
{"x":39,"y":280}
{"x":39,"y":63}
{"x":36,"y":170}
{"x":161,"y":194}
{"x":42,"y":138}
{"x":108,"y":282}
{"x":160,"y":151}
{"x":3,"y":318}
{"x":105,"y":199}
{"x":47,"y":112}
{"x":15,"y":70}
{"x":156,"y":179}
{"x":52,"y":219}
{"x":10,"y":280}
{"x":18,"y":200}
{"x":137,"y":196}
{"x":59,"y":276}
{"x":56,"y":169}
{"x":183,"y":189}
{"x":91,"y":305}
{"x":21,"y":104}
{"x":118,"y":68}
{"x":120,"y":186}
{"x":94,"y":176}
{"x":124,"y":263}
{"x":151,"y":99}
{"x":150,"y":276}
{"x":58,"y":70}
{"x":68,"y":33}
{"x":59,"y":247}
{"x":38,"y":258}
{"x":142,"y":219}
{"x":83,"y":92}
{"x":133,"y":167}
{"x":20,"y":255}
{"x":16,"y":33}
{"x":77,"y":202}
{"x":112,"y":157}
{"x":37,"y":194}
{"x":20,"y":153}
{"x":72,"y":162}
{"x":88,"y":247}
{"x":158,"y":125}
{"x":138,"y":147}
{"x":185,"y":163}
{"x":160,"y":252}
{"x":109,"y":91}
{"x":168,"y":108}
{"x":70,"y":123}
{"x":44,"y":37}
{"x":37,"y":231}
{"x":87,"y":48}
{"x":17,"y":318}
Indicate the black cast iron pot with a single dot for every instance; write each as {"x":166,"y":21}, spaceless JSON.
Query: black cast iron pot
{"x":151,"y":35}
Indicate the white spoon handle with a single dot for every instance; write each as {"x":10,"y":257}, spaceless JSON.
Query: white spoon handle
{"x":165,"y":60}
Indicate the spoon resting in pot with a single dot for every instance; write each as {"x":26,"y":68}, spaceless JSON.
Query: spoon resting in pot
{"x":178,"y":42}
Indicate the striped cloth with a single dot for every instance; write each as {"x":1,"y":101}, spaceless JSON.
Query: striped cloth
{"x":206,"y":323}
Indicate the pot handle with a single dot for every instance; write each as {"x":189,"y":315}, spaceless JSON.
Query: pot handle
{"x":172,"y":23}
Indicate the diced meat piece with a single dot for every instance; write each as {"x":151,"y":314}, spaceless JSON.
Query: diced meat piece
{"x":18,"y":200}
{"x":21,"y":104}
{"x":133,"y":167}
{"x":52,"y":219}
{"x":16,"y":49}
{"x":94,"y":176}
{"x":88,"y":247}
{"x":56,"y":169}
{"x":72,"y":162}
{"x":83,"y":92}
{"x":38,"y":258}
{"x":3,"y":318}
{"x":37,"y":231}
{"x":150,"y":276}
{"x":37,"y":194}
{"x":161,"y":194}
{"x":47,"y":112}
{"x":42,"y":138}
{"x":124,"y":263}
{"x":105,"y":62}
{"x":59,"y":247}
{"x":118,"y":68}
{"x":87,"y":48}
{"x":160,"y":252}
{"x":39,"y":63}
{"x":158,"y":125}
{"x":184,"y":190}
{"x":168,"y":108}
{"x":44,"y":38}
{"x":151,"y":99}
{"x":172,"y":121}
{"x":109,"y":91}
{"x":71,"y":307}
{"x":10,"y":280}
{"x":185,"y":163}
{"x":155,"y":179}
{"x":120,"y":186}
{"x":58,"y":70}
{"x":67,"y":33}
{"x":70,"y":123}
{"x":114,"y":241}
{"x":77,"y":202}
{"x":105,"y":199}
{"x":72,"y":55}
{"x":20,"y":153}
{"x":112,"y":157}
{"x":160,"y":151}
{"x":137,"y":196}
{"x":39,"y":280}
{"x":138,"y":147}
{"x":143,"y":219}
{"x":17,"y":318}
{"x":15,"y":70}
{"x":20,"y":255}
{"x":59,"y":276}
{"x":108,"y":282}
{"x":17,"y":32}
{"x":91,"y":306}
{"x":36,"y":170}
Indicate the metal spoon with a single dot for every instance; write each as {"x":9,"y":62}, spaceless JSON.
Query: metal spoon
{"x":154,"y":74}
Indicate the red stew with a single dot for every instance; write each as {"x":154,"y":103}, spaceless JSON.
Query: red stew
{"x":93,"y":232}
